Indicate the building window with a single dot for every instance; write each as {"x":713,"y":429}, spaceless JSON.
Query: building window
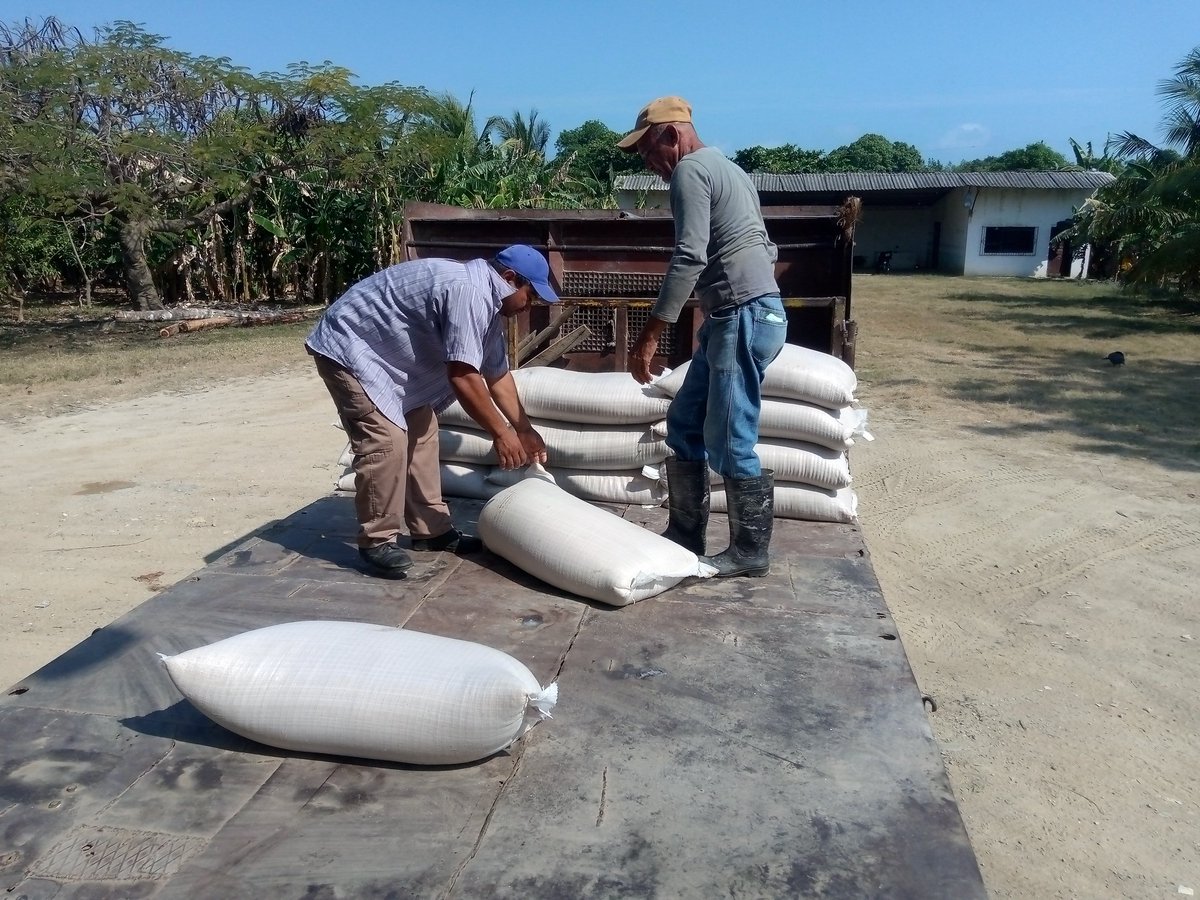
{"x":1010,"y":241}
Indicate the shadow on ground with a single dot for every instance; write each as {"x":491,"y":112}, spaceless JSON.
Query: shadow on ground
{"x":1144,"y":408}
{"x":1092,"y":315}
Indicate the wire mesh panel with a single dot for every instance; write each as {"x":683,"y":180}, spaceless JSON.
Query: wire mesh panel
{"x":611,"y":284}
{"x":604,"y":323}
{"x":601,"y":322}
{"x":668,"y":341}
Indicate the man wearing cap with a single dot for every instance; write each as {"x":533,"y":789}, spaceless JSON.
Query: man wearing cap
{"x":722,"y":252}
{"x":401,"y":345}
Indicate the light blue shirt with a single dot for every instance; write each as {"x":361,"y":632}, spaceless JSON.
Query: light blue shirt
{"x":397,"y":330}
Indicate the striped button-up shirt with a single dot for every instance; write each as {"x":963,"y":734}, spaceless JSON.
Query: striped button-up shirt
{"x":396,"y":330}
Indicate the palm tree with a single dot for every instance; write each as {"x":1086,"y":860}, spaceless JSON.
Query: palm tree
{"x":1182,"y":94}
{"x":1148,"y":220}
{"x":532,"y":134}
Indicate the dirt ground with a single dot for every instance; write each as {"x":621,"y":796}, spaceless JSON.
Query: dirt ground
{"x":1031,"y":511}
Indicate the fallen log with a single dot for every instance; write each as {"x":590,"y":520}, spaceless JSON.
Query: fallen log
{"x":189,"y":313}
{"x":280,"y":318}
{"x":201,"y":324}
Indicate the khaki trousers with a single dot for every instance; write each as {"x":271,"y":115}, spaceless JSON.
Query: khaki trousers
{"x":398,"y":470}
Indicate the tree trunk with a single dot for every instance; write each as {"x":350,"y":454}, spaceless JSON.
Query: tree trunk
{"x":138,"y":279}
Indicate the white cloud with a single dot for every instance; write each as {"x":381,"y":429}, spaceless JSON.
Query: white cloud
{"x":964,"y":137}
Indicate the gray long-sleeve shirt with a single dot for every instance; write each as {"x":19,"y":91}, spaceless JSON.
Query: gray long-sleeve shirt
{"x":721,"y":244}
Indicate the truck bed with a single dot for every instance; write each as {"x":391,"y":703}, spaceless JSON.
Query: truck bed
{"x":736,"y":738}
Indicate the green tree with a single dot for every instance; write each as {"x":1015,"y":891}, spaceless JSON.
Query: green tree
{"x":1035,"y":157}
{"x":1148,"y":220}
{"x":783,"y":160}
{"x":591,"y":150}
{"x":531,"y":134}
{"x":874,"y":153}
{"x":1181,"y":125}
{"x":1087,"y":160}
{"x":122,"y":127}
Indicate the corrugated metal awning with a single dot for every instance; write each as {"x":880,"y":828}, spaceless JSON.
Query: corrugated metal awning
{"x":815,"y":182}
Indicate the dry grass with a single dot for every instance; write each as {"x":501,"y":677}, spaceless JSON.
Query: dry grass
{"x":963,"y":347}
{"x":55,"y":365}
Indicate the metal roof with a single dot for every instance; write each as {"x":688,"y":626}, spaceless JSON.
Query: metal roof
{"x":814,"y":182}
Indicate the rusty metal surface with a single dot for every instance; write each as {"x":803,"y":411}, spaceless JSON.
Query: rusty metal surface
{"x":751,"y":738}
{"x":616,"y":259}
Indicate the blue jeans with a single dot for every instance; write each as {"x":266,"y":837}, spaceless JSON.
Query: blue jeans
{"x":714,"y":415}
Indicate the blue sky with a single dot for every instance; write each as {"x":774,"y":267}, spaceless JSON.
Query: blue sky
{"x":959,"y":80}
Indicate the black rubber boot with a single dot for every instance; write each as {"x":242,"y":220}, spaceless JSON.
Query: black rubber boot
{"x":687,"y":500}
{"x":751,"y":505}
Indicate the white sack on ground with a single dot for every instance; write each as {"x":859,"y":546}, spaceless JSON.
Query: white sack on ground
{"x":599,"y":486}
{"x":347,"y":457}
{"x":798,"y":373}
{"x":347,"y":481}
{"x":802,"y":462}
{"x":580,"y":548}
{"x":804,"y":501}
{"x":568,"y":446}
{"x":796,"y":420}
{"x":370,"y":691}
{"x":612,"y":398}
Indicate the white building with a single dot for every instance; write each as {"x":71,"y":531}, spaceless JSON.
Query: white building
{"x":963,"y":223}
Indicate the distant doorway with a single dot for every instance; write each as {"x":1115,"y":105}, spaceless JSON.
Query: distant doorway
{"x":935,"y":250}
{"x":1060,"y":254}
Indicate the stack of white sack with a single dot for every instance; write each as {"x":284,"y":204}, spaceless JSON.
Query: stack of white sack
{"x":601,"y":430}
{"x":808,"y":423}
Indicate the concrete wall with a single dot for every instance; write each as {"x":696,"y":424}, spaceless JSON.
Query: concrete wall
{"x":1003,"y":207}
{"x":643,"y":200}
{"x":907,"y":231}
{"x":953,"y":215}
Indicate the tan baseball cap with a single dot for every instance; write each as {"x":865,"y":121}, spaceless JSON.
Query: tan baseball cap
{"x":656,"y":112}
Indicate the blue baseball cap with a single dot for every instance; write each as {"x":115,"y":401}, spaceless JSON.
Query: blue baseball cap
{"x":531,"y":266}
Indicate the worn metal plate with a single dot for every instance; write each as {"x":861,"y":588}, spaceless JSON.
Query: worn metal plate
{"x":737,"y":752}
{"x":750,"y":737}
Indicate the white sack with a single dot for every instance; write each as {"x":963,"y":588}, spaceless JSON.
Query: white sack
{"x":798,"y":373}
{"x":461,"y":480}
{"x":580,"y":548}
{"x":796,"y":420}
{"x":347,"y":481}
{"x":612,"y":398}
{"x":347,"y":457}
{"x":598,"y":486}
{"x":568,"y":445}
{"x":559,"y":395}
{"x":802,"y":462}
{"x":370,"y":691}
{"x":804,"y":501}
